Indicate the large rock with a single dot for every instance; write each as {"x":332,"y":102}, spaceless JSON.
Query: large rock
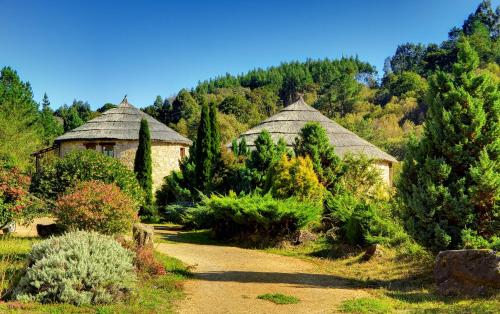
{"x":143,"y":235}
{"x":467,"y":272}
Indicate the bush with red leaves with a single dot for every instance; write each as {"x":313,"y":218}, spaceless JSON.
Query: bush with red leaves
{"x":98,"y":206}
{"x":15,"y":200}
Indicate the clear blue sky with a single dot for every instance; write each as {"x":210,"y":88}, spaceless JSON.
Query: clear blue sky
{"x":98,"y":51}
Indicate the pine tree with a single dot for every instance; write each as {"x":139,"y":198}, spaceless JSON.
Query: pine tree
{"x":235,"y":148}
{"x":143,"y":162}
{"x":203,"y":155}
{"x":51,"y":127}
{"x":243,"y":148}
{"x":451,"y":179}
{"x":314,"y":142}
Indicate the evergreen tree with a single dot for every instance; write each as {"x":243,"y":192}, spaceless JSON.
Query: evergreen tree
{"x":261,"y":160}
{"x":203,"y":154}
{"x":451,"y":179}
{"x":314,"y":142}
{"x":20,"y":129}
{"x":51,"y":127}
{"x":243,"y":148}
{"x":235,"y":148}
{"x":143,"y":162}
{"x":72,"y":119}
{"x":215,"y":134}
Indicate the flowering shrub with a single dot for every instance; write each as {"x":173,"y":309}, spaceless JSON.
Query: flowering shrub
{"x":79,"y":268}
{"x":15,"y":200}
{"x":94,"y":205}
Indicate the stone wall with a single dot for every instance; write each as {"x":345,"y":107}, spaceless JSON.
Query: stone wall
{"x":385,"y":168}
{"x":165,"y":156}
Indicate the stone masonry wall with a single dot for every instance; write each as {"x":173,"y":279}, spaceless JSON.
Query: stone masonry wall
{"x":165,"y":156}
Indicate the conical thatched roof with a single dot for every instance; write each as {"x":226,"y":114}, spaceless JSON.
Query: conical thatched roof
{"x":123,"y":123}
{"x":288,"y":122}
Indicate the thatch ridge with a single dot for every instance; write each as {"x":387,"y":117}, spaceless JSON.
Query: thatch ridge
{"x":290,"y":120}
{"x":123,"y":123}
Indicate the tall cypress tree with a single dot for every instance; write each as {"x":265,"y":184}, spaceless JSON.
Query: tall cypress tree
{"x":143,"y":162}
{"x":451,"y":178}
{"x":203,"y":150}
{"x":215,"y":134}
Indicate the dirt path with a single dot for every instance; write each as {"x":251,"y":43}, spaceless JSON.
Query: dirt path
{"x":229,"y":279}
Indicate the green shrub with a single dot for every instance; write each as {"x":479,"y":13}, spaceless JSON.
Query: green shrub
{"x":79,"y":268}
{"x":471,"y":240}
{"x":359,"y":222}
{"x":257,"y":215}
{"x":295,"y":177}
{"x":97,"y":206}
{"x":85,"y":165}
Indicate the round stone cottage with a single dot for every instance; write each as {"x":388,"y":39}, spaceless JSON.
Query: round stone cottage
{"x":290,"y":120}
{"x":115,"y":133}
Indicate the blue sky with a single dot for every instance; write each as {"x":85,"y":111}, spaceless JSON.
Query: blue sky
{"x":98,"y":51}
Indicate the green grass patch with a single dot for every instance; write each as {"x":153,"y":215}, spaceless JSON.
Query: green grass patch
{"x":366,"y":306}
{"x":152,"y":295}
{"x":279,"y":298}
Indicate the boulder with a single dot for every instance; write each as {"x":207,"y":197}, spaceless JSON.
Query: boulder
{"x":467,"y":272}
{"x":143,"y":235}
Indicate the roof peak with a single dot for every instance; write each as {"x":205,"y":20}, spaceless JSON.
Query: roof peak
{"x":125,"y":103}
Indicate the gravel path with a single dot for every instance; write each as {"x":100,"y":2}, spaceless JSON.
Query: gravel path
{"x":229,"y":279}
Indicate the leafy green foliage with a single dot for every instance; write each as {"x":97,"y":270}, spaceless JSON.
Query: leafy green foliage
{"x":295,"y":177}
{"x":75,"y":115}
{"x":51,"y":127}
{"x":85,"y":165}
{"x":20,"y":129}
{"x":96,"y":206}
{"x":143,"y":162}
{"x":314,"y":142}
{"x":79,"y":268}
{"x":360,"y":222}
{"x":258,"y":215}
{"x":451,"y":179}
{"x":203,"y":151}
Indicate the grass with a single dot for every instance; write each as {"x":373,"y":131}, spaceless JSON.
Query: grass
{"x":153,"y":295}
{"x":399,"y":280}
{"x":279,"y":298}
{"x":366,"y":306}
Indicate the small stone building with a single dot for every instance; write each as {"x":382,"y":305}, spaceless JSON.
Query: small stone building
{"x":116,"y":133}
{"x":288,"y":122}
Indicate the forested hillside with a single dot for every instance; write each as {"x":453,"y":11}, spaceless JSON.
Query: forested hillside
{"x":386,"y":108}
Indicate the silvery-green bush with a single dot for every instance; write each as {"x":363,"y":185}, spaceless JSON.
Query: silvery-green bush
{"x":79,"y":268}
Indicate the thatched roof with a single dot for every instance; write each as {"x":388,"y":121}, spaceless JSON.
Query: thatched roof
{"x":122,"y":123}
{"x":288,"y":122}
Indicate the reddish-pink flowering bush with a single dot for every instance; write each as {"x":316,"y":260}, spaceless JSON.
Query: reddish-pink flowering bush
{"x":94,"y":205}
{"x":15,"y":200}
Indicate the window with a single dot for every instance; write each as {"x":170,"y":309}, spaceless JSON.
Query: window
{"x":183,"y":152}
{"x":90,"y":146}
{"x":108,"y":150}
